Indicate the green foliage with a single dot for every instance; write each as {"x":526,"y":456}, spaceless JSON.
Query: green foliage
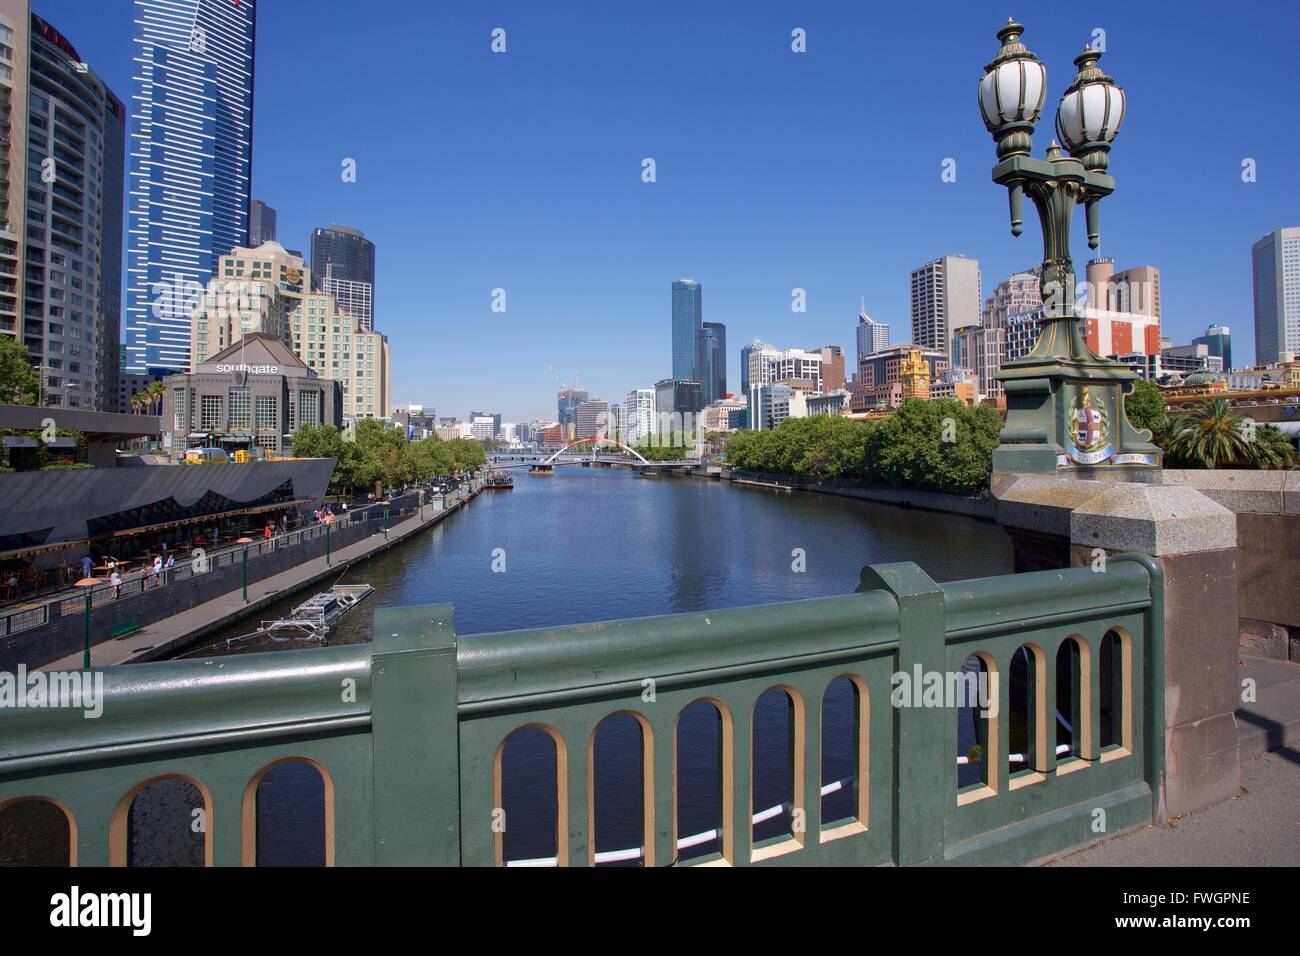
{"x":940,"y":446}
{"x":67,"y":466}
{"x":663,"y":452}
{"x":378,"y":454}
{"x":1145,"y":406}
{"x":1216,"y":435}
{"x":19,"y":384}
{"x":822,"y":446}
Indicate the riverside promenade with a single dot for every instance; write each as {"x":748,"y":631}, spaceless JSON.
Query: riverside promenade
{"x":172,"y":635}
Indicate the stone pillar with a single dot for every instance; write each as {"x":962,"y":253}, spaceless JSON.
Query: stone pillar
{"x":1195,"y":541}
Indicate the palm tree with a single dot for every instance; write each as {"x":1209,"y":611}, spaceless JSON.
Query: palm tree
{"x":1270,"y":449}
{"x":1216,"y":435}
{"x":1211,"y":435}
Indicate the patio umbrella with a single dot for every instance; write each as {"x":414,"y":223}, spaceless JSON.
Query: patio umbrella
{"x":87,"y":582}
{"x":244,"y":541}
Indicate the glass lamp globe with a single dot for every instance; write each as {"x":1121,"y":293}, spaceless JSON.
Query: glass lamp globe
{"x":1090,"y":113}
{"x":1011,"y":93}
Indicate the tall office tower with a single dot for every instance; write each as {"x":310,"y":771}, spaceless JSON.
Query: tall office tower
{"x":713,"y":361}
{"x":946,"y":298}
{"x":688,"y":322}
{"x":1275,"y":262}
{"x":261,"y":223}
{"x":1121,"y":316}
{"x":354,"y":298}
{"x":872,"y":336}
{"x":591,"y":419}
{"x":61,"y":248}
{"x":1218,"y":339}
{"x":746,"y":351}
{"x":191,"y":166}
{"x":345,"y":259}
{"x":569,"y":400}
{"x":832,"y":367}
{"x":638,"y":418}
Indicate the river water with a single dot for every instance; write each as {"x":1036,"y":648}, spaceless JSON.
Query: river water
{"x":592,"y":544}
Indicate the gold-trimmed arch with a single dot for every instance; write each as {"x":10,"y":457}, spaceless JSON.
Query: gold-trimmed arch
{"x":248,"y":808}
{"x":727,"y":783}
{"x":59,"y":805}
{"x":561,"y":793}
{"x":118,"y":847}
{"x":647,"y":785}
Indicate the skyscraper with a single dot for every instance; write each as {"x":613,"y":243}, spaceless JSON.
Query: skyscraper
{"x":872,"y":336}
{"x":569,"y":400}
{"x":713,"y":361}
{"x":191,"y":165}
{"x":261,"y":224}
{"x":1275,"y":261}
{"x":946,"y":298}
{"x":63,"y":142}
{"x":343,"y":263}
{"x":688,"y":322}
{"x":1218,"y":339}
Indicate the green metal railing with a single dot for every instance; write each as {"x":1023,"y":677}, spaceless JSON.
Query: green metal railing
{"x":408,"y":732}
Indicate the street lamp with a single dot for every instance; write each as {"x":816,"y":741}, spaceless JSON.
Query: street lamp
{"x":1065,"y":408}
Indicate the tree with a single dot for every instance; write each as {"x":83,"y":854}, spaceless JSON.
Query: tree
{"x":1270,"y":449}
{"x":941,"y":445}
{"x":19,"y":382}
{"x":1145,"y":406}
{"x":1211,"y":436}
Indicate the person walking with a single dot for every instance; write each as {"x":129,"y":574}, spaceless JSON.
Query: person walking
{"x":116,"y":580}
{"x":157,"y":570}
{"x":87,"y":565}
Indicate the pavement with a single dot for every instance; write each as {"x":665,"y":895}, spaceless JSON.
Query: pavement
{"x":162,"y":638}
{"x":1258,"y":827}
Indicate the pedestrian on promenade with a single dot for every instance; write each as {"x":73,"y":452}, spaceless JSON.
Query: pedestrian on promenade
{"x":171,"y":562}
{"x":116,"y":580}
{"x":157,"y":570}
{"x":87,"y":565}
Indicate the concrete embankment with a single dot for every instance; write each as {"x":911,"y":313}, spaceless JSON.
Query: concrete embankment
{"x":290,"y":570}
{"x":984,"y":508}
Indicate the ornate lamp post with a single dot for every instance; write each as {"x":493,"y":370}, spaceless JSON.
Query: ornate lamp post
{"x":1065,"y":403}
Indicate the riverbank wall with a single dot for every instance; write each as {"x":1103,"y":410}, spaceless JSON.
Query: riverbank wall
{"x":983,"y":508}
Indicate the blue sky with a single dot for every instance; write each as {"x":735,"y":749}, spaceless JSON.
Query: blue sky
{"x":775,"y":170}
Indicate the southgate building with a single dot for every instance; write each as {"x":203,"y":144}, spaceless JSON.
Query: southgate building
{"x":191,"y":154}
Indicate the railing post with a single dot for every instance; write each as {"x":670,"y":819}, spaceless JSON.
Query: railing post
{"x":85,"y":656}
{"x":327,"y":545}
{"x":924,"y":763}
{"x":245,"y":574}
{"x":416,"y":737}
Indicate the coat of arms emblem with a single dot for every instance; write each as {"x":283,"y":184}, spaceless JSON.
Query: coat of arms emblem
{"x":1090,"y":422}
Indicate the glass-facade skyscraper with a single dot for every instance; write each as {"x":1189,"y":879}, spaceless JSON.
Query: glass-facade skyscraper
{"x":343,"y":264}
{"x":713,"y":361}
{"x":688,"y":318}
{"x":191,"y":156}
{"x":1275,"y":262}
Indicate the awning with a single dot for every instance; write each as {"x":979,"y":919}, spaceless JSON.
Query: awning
{"x":213,"y":517}
{"x":42,"y":549}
